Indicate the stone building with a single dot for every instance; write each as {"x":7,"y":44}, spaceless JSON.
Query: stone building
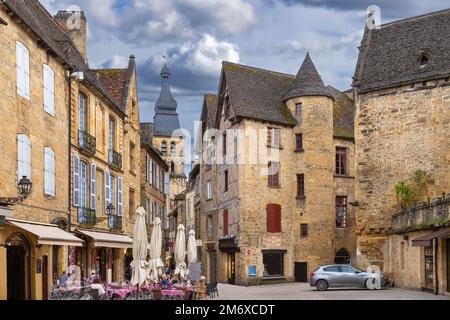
{"x":153,"y":187}
{"x":33,"y":143}
{"x":402,"y":127}
{"x":76,"y":137}
{"x":283,"y":171}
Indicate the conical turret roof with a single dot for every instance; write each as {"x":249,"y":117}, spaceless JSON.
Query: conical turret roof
{"x":308,"y":82}
{"x":166,"y":101}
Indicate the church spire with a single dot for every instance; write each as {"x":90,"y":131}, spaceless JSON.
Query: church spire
{"x":166,"y":117}
{"x":166,"y":101}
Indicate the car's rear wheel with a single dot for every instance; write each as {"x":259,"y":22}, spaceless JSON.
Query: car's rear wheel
{"x":322,"y":285}
{"x":371,"y":284}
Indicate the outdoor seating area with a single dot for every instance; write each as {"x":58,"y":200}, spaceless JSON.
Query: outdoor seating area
{"x":148,"y":281}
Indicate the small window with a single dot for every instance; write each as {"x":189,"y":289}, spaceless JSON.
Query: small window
{"x":209,"y":191}
{"x":274,"y":174}
{"x":173,"y":149}
{"x":424,"y":60}
{"x":300,"y":185}
{"x":226,"y":181}
{"x":341,"y":161}
{"x":224,"y":147}
{"x":299,"y":142}
{"x":164,"y":148}
{"x":132,"y":157}
{"x":341,"y":212}
{"x":303,"y":230}
{"x":298,"y":112}
{"x":274,"y":137}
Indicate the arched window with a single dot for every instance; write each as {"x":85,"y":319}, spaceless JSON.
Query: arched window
{"x":342,"y":257}
{"x":173,"y":148}
{"x":164,"y":148}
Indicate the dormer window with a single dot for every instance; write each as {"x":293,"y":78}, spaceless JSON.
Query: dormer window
{"x":424,"y":59}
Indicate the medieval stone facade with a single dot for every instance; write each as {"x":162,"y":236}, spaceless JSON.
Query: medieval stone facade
{"x":260,"y":226}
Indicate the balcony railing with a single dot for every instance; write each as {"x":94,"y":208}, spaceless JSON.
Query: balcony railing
{"x":115,"y":159}
{"x":87,"y":217}
{"x":115,"y":223}
{"x":428,"y":215}
{"x":87,"y":143}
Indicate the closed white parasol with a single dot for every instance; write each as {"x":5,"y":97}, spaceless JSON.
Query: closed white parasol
{"x":155,"y":263}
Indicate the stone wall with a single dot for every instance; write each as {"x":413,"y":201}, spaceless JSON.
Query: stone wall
{"x":398,"y":131}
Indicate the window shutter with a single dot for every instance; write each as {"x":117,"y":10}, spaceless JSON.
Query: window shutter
{"x":26,"y":68}
{"x":20,"y":70}
{"x":23,"y":156}
{"x":76,"y":181}
{"x":276,"y":137}
{"x":273,"y":218}
{"x":147,"y":170}
{"x":225,"y":222}
{"x":119,"y":197}
{"x":49,"y":90}
{"x":112,"y":189}
{"x":93,"y":187}
{"x":107,"y":190}
{"x":167,"y":182}
{"x":49,"y":172}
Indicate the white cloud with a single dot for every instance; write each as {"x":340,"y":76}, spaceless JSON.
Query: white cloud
{"x":116,"y":62}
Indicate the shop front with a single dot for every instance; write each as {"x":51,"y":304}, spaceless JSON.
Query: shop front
{"x":26,"y":258}
{"x":105,"y":255}
{"x":436,"y":261}
{"x":229,"y":248}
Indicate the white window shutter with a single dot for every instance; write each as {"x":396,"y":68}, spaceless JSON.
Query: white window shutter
{"x":93,"y":201}
{"x":20,"y":69}
{"x":49,"y":172}
{"x":23,"y":157}
{"x":107,"y":190}
{"x":49,"y":90}
{"x":151,"y":171}
{"x":166,"y":183}
{"x":119,"y":197}
{"x":26,"y":68}
{"x":76,"y":181}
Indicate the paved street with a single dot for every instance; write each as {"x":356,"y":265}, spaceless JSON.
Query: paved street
{"x":300,"y":291}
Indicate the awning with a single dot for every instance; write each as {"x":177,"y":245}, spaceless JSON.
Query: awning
{"x":425,"y":241}
{"x":228,"y":245}
{"x":48,"y":234}
{"x":108,"y":240}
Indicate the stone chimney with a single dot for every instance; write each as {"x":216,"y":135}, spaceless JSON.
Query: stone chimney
{"x":75,"y":25}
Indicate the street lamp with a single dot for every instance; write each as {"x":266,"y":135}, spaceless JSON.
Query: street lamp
{"x":24,"y":187}
{"x":110,"y":212}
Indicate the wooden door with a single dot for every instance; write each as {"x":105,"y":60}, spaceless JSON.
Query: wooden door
{"x":44,"y":278}
{"x":301,"y":272}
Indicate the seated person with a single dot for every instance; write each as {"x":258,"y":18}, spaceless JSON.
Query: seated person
{"x":96,"y":285}
{"x":63,"y":279}
{"x":164,"y":281}
{"x":71,"y":281}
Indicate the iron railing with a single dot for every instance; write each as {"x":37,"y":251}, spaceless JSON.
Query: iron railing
{"x":87,"y":216}
{"x":115,"y":159}
{"x":87,"y":143}
{"x":115,"y":223}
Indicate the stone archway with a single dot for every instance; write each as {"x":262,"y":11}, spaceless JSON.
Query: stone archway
{"x":343,"y":257}
{"x":18,"y":267}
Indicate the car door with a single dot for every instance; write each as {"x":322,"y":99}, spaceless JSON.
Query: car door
{"x":333,"y":276}
{"x":351,"y":277}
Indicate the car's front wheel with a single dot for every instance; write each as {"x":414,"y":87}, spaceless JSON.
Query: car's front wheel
{"x":371,"y":284}
{"x":322,"y":285}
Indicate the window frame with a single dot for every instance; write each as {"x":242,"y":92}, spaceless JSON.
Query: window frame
{"x":299,"y":142}
{"x":342,"y":161}
{"x":273,"y":178}
{"x":274,"y":137}
{"x":23,"y":71}
{"x":341,"y":222}
{"x":301,"y":194}
{"x":304,"y":230}
{"x":226,"y":177}
{"x":49,"y":89}
{"x":49,"y":172}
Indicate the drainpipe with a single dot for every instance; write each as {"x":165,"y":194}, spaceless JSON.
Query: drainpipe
{"x":436,"y":265}
{"x":69,"y":167}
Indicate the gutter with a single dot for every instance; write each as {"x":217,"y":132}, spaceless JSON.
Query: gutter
{"x":69,"y":167}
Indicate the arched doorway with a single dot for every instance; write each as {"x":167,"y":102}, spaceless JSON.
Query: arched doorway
{"x":18,"y":267}
{"x":343,"y":257}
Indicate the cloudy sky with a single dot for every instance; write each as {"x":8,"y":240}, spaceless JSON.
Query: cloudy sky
{"x":197,"y":35}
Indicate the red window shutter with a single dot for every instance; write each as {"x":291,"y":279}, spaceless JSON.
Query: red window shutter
{"x":225,"y":222}
{"x":273,"y":218}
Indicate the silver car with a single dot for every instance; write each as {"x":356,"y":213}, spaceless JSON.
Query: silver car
{"x":345,"y":276}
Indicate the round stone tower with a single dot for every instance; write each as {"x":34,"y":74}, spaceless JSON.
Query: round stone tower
{"x":312,"y":104}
